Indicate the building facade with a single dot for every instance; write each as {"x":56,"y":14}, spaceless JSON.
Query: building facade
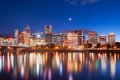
{"x":24,"y":37}
{"x":111,"y":38}
{"x":74,"y":38}
{"x":102,"y":39}
{"x":21,"y":38}
{"x":57,"y":39}
{"x":16,"y":37}
{"x":48,"y":34}
{"x":81,"y":37}
{"x":27,"y":34}
{"x":36,"y":41}
{"x":71,"y":39}
{"x":93,"y":38}
{"x":48,"y":29}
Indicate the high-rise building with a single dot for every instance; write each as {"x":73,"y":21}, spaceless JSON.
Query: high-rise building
{"x":27,"y":29}
{"x":111,"y":38}
{"x":102,"y":39}
{"x":93,"y":38}
{"x":16,"y":36}
{"x":48,"y":29}
{"x":72,"y":39}
{"x":27,"y":34}
{"x":48,"y":34}
{"x":48,"y":38}
{"x":80,"y":37}
{"x":24,"y":37}
{"x":21,"y":38}
{"x":57,"y":39}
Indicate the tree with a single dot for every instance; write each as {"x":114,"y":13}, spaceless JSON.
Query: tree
{"x":108,"y":46}
{"x":112,"y":46}
{"x":37,"y":46}
{"x":90,"y":45}
{"x":117,"y":44}
{"x":98,"y":45}
{"x":85,"y":45}
{"x":47,"y":45}
{"x":52,"y":45}
{"x":42,"y":46}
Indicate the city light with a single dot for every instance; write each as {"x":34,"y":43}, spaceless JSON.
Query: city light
{"x":59,"y":39}
{"x":72,"y":40}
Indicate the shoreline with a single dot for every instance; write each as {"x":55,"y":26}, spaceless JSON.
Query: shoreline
{"x":70,"y":50}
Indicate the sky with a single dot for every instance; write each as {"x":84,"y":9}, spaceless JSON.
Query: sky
{"x":102,"y":16}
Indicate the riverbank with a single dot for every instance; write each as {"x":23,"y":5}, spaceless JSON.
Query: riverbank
{"x":72,"y":50}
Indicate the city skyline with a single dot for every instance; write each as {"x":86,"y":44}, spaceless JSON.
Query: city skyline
{"x":43,"y":34}
{"x":101,"y":16}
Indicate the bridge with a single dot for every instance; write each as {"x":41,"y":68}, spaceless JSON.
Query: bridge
{"x":12,"y":48}
{"x":74,"y":50}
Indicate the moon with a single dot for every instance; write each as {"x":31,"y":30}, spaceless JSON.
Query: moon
{"x":70,"y":19}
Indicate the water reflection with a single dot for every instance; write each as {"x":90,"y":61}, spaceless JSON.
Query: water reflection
{"x":113,"y":65}
{"x":49,"y":66}
{"x":104,"y":63}
{"x":70,"y":77}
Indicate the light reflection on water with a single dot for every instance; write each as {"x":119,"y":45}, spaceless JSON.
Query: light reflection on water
{"x":56,"y":65}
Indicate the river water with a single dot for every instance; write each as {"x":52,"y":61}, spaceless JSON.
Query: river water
{"x":59,"y":66}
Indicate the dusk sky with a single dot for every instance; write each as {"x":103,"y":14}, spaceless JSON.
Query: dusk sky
{"x":102,"y":16}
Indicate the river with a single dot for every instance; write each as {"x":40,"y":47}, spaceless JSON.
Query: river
{"x":59,"y":66}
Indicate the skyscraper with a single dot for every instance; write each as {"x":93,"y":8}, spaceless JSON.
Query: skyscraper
{"x":57,"y":39}
{"x":102,"y":39}
{"x":93,"y":38}
{"x":111,"y":38}
{"x":21,"y":38}
{"x":80,"y":37}
{"x":74,"y":38}
{"x":48,"y":34}
{"x":16,"y":36}
{"x":71,"y":39}
{"x":27,"y":34}
{"x":48,"y":29}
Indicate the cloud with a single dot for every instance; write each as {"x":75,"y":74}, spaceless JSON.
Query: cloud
{"x":72,"y":1}
{"x":82,"y":2}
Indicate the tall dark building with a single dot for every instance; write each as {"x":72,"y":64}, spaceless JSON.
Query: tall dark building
{"x":57,"y":39}
{"x":80,"y":37}
{"x":48,"y":29}
{"x":48,"y":34}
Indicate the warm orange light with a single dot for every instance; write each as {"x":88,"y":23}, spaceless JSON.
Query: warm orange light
{"x":115,"y":47}
{"x":46,"y":47}
{"x":56,"y":47}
